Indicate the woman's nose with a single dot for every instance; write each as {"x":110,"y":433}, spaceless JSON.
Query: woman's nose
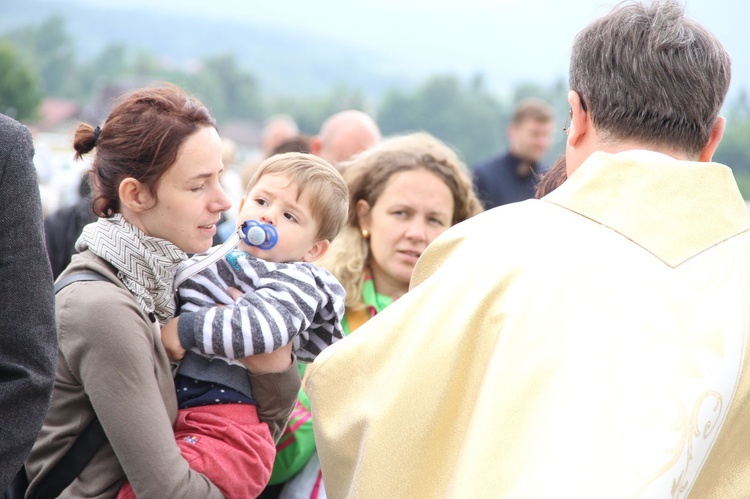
{"x":221,"y":200}
{"x":417,"y":231}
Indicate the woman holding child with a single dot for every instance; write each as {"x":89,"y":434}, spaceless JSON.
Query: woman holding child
{"x":403,"y":193}
{"x":156,"y":187}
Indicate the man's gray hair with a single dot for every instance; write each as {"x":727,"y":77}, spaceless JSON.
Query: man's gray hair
{"x":647,"y":73}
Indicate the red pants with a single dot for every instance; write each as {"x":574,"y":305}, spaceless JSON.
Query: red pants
{"x":228,"y":444}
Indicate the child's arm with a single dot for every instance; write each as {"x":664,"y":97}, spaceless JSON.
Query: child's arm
{"x":279,"y":304}
{"x":171,"y":340}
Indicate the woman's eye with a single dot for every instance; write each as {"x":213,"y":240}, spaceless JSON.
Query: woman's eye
{"x":399,"y":213}
{"x":197,"y":189}
{"x":436,"y":221}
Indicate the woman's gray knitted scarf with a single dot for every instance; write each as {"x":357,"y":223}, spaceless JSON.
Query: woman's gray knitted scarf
{"x":145,"y":264}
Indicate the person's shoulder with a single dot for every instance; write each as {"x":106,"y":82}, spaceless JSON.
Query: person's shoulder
{"x":104,"y":308}
{"x":488,"y":163}
{"x":8,"y":123}
{"x":319,"y":273}
{"x":495,"y":168}
{"x":302,"y":271}
{"x":508,"y":234}
{"x":10,"y":128}
{"x":494,"y":222}
{"x":92,"y":293}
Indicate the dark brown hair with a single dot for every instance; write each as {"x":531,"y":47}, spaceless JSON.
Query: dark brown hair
{"x":552,"y":179}
{"x":140,"y":139}
{"x":647,"y":73}
{"x":298,"y":143}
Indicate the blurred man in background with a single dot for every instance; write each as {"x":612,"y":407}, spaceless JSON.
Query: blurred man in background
{"x":63,"y":227}
{"x":512,"y":177}
{"x":276,"y":130}
{"x":345,"y":134}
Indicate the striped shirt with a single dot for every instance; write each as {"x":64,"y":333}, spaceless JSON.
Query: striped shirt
{"x":283,"y":303}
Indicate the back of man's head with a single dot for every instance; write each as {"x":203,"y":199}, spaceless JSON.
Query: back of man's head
{"x":277,"y":129}
{"x":345,"y":134}
{"x":649,"y":75}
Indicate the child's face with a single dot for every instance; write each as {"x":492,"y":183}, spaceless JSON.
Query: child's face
{"x":273,"y":200}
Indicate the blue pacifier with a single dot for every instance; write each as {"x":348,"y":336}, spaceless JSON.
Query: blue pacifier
{"x":264,"y":236}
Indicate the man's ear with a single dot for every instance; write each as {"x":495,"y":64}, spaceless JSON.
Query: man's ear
{"x":579,"y":121}
{"x":135,"y":195}
{"x":717,"y":132}
{"x":316,"y":145}
{"x":316,"y":251}
{"x":363,"y":215}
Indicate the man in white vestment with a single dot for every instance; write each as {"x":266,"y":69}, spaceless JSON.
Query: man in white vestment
{"x":590,"y":344}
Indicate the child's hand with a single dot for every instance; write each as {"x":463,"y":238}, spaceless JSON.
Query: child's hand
{"x":171,"y":340}
{"x":277,"y":361}
{"x":235,"y":293}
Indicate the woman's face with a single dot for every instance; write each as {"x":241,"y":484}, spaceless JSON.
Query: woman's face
{"x":414,"y":208}
{"x":190,"y":197}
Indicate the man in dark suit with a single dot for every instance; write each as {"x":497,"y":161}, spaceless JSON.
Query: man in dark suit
{"x":28,"y":341}
{"x":512,"y":177}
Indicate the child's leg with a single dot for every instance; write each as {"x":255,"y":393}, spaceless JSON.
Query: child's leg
{"x":126,"y":492}
{"x":228,"y":444}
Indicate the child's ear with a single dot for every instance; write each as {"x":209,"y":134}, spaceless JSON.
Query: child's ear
{"x":317,"y":250}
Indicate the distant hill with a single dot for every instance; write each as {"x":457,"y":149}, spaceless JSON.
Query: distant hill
{"x":284,"y":62}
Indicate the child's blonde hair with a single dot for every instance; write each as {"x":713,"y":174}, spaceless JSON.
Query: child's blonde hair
{"x":329,"y":195}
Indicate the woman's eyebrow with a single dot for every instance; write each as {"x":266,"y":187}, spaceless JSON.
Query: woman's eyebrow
{"x":203,"y":175}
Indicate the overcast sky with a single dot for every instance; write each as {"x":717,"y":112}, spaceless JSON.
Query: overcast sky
{"x":507,"y":40}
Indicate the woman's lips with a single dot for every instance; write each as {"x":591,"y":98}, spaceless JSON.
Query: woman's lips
{"x":409,"y":255}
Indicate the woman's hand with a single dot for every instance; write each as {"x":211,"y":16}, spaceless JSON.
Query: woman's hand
{"x":171,"y":340}
{"x":277,"y":361}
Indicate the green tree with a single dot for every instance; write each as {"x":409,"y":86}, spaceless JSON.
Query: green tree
{"x":734,"y":149}
{"x":49,"y":49}
{"x":19,"y":93}
{"x":464,"y":116}
{"x":105,"y":69}
{"x":221,"y":84}
{"x":311,"y":112}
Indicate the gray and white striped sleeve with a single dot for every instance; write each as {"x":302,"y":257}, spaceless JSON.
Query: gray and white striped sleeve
{"x":282,"y":303}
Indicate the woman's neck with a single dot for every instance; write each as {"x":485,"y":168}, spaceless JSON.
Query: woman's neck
{"x":388,"y":287}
